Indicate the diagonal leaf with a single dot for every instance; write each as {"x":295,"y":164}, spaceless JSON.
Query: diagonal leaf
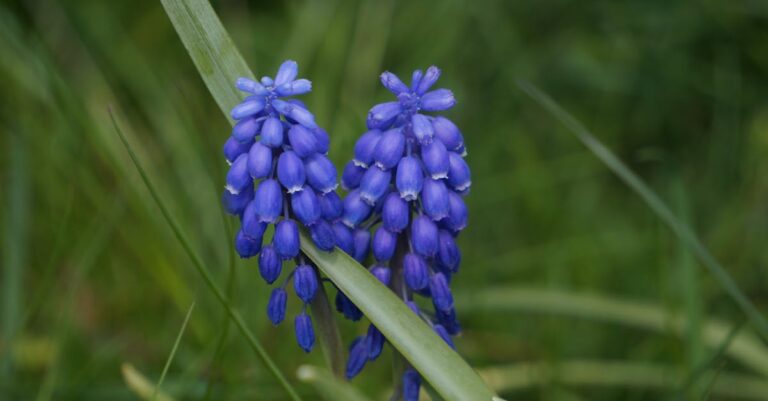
{"x":682,"y":231}
{"x":173,"y":352}
{"x":202,"y":34}
{"x":437,"y":362}
{"x":208,"y":43}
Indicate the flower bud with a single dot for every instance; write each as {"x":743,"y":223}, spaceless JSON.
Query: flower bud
{"x":395,"y":213}
{"x":347,"y":308}
{"x":276,"y":305}
{"x":321,"y":174}
{"x":374,"y":185}
{"x":355,"y":209}
{"x":344,"y":238}
{"x":435,"y":158}
{"x":233,"y":148}
{"x":323,"y":140}
{"x":430,"y":77}
{"x":411,"y":385}
{"x":383,"y":114}
{"x":302,"y":140}
{"x":441,"y":293}
{"x":331,"y":206}
{"x":237,"y":176}
{"x":251,"y":86}
{"x":458,"y":172}
{"x":295,"y":112}
{"x":457,"y":216}
{"x":246,"y":246}
{"x":268,"y":200}
{"x":358,"y":356}
{"x":416,"y":79}
{"x":305,"y":334}
{"x":443,"y":333}
{"x":434,"y":199}
{"x":424,"y":236}
{"x":365,"y":148}
{"x":259,"y":161}
{"x":422,"y":129}
{"x":410,"y":178}
{"x":306,"y":206}
{"x":270,"y":264}
{"x":448,"y":320}
{"x":322,"y":235}
{"x":272,"y":133}
{"x":235,"y":204}
{"x":305,"y":283}
{"x":415,"y":271}
{"x":393,"y":83}
{"x":389,"y":149}
{"x":286,"y":239}
{"x":286,"y":73}
{"x":375,"y":342}
{"x":448,"y":253}
{"x":384,"y":243}
{"x":382,"y":273}
{"x":437,"y":100}
{"x":290,"y":171}
{"x":447,"y":132}
{"x":245,"y":130}
{"x":250,"y":223}
{"x":295,"y":88}
{"x":362,"y":240}
{"x":351,"y":176}
{"x":250,"y":106}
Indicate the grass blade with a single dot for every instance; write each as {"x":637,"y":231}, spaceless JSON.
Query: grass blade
{"x":699,"y":371}
{"x":331,"y":388}
{"x":638,"y":375}
{"x":437,"y":362}
{"x":204,"y":271}
{"x":745,"y":348}
{"x":14,"y":248}
{"x":682,"y":231}
{"x":139,"y":384}
{"x":173,"y":352}
{"x":207,"y":42}
{"x":328,"y":332}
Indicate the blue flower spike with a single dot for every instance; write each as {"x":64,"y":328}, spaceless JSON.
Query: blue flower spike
{"x":280,"y":179}
{"x":405,"y":207}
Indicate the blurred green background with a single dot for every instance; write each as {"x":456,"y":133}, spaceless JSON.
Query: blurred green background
{"x":571,"y":288}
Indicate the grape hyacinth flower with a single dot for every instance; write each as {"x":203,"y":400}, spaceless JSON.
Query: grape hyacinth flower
{"x":406,"y":183}
{"x":277,"y":143}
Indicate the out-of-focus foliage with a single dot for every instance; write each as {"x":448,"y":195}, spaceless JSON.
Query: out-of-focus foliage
{"x":92,"y":277}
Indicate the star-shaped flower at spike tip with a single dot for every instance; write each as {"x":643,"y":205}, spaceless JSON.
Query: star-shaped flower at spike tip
{"x":280,"y":177}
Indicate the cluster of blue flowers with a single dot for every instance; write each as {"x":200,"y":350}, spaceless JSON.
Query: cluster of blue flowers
{"x":404,"y":205}
{"x":406,"y":183}
{"x":277,"y":142}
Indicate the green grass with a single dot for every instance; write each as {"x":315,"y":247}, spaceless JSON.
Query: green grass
{"x":563,"y":263}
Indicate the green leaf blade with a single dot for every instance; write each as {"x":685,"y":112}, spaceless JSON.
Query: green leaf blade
{"x":438,"y":363}
{"x":212,"y":50}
